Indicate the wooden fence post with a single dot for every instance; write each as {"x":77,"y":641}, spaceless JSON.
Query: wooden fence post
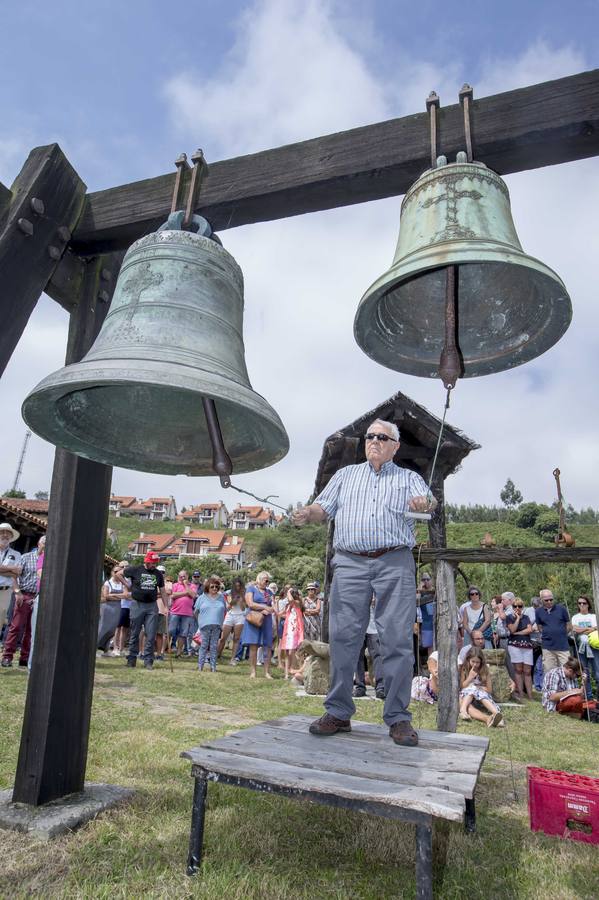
{"x":595,"y":582}
{"x":54,"y":738}
{"x":447,"y":712}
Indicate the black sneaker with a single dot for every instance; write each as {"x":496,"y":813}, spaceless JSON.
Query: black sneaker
{"x":6,"y":663}
{"x":22,"y":664}
{"x":359,"y":691}
{"x":380,"y":693}
{"x":131,"y":663}
{"x":148,"y":664}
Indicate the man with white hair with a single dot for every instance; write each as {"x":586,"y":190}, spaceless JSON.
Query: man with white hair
{"x":553,"y":621}
{"x":374,"y":536}
{"x":10,"y":567}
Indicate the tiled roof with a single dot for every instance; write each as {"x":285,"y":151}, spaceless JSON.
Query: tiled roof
{"x":159,"y":542}
{"x":232,"y":549}
{"x":159,"y":500}
{"x":124,"y":501}
{"x":39,"y":507}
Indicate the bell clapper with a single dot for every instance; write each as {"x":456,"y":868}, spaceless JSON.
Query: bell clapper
{"x":221,"y":461}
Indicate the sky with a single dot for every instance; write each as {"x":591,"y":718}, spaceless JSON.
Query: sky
{"x":124,"y":88}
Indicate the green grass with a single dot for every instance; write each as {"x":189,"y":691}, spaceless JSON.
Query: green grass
{"x":259,"y":846}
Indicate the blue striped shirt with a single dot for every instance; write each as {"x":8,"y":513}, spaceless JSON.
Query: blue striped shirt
{"x":369,"y":507}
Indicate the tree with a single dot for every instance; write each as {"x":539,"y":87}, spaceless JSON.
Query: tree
{"x":547,"y":525}
{"x":270,"y":544}
{"x":510,"y":495}
{"x":528,"y":513}
{"x":16,"y":495}
{"x":41,"y":495}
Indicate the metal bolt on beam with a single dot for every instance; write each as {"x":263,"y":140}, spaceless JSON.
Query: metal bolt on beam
{"x":54,"y":252}
{"x":37,"y":206}
{"x":103,"y":296}
{"x":64,"y":234}
{"x":106,"y":275}
{"x":25,"y":226}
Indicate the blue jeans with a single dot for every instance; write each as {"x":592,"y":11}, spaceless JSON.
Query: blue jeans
{"x":145,"y":614}
{"x":209,"y":645}
{"x":181,"y":626}
{"x":590,"y":665}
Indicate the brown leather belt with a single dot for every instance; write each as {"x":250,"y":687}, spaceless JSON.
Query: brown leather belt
{"x":374,"y":554}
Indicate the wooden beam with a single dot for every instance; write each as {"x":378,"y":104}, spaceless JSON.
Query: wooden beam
{"x":509,"y":554}
{"x":447,"y":710}
{"x":46,"y":198}
{"x":540,"y":125}
{"x":54,"y":739}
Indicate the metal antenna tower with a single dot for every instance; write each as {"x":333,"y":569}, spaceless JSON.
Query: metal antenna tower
{"x":21,"y":460}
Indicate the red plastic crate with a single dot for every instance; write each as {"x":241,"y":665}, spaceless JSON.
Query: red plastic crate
{"x":564,"y":804}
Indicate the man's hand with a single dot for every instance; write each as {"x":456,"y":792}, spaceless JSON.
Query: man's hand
{"x":308,"y":514}
{"x":422,"y":504}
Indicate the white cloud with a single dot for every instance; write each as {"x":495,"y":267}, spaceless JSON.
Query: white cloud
{"x":291,"y":75}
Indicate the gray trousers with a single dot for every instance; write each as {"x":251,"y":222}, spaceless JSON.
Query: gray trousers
{"x":355,"y":579}
{"x":145,"y":614}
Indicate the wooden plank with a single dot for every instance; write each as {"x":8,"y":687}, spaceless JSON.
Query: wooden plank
{"x":527,"y":128}
{"x":447,"y":707}
{"x":509,"y":554}
{"x":595,"y":582}
{"x":450,"y":740}
{"x":433,"y":801}
{"x":54,"y":738}
{"x":26,"y":236}
{"x":457,"y":759}
{"x":349,"y":759}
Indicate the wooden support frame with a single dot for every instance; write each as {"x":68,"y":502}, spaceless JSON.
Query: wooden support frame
{"x":541,"y":125}
{"x":38,"y":215}
{"x":54,"y":738}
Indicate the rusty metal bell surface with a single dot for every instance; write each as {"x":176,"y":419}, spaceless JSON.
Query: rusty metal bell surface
{"x":172,"y":336}
{"x":510,"y":306}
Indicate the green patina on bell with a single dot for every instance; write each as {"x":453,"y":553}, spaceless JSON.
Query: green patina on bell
{"x":174,"y":334}
{"x":510,"y":306}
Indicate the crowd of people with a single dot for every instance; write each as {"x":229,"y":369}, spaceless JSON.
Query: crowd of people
{"x":145,"y":614}
{"x":547,"y":653}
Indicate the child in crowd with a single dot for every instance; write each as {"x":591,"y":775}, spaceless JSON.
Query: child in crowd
{"x":426,"y":687}
{"x":475,"y":683}
{"x":293,"y":629}
{"x":210,"y":608}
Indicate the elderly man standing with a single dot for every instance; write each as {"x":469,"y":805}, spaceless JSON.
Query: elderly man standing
{"x":10,"y":568}
{"x":553,"y":621}
{"x":21,"y":622}
{"x":373,"y":555}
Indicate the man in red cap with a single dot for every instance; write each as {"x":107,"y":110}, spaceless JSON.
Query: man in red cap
{"x":145,"y":582}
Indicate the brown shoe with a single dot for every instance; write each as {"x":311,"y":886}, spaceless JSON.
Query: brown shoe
{"x":403,"y":734}
{"x":327,"y":725}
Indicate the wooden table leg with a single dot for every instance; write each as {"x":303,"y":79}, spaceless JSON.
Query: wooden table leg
{"x":424,"y":862}
{"x":196,"y":837}
{"x":470,"y":816}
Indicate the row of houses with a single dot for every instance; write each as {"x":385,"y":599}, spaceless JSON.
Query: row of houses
{"x":215,"y":514}
{"x":193,"y":543}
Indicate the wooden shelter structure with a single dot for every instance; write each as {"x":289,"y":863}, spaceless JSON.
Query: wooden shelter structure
{"x":54,"y":237}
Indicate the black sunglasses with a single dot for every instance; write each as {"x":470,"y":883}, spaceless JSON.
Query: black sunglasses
{"x":371,"y":436}
{"x":518,"y":606}
{"x":474,"y":594}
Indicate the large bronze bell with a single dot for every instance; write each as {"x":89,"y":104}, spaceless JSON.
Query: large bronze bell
{"x":510,"y":307}
{"x":172,"y":338}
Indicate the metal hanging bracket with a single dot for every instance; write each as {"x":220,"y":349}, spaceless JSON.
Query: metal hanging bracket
{"x":466,"y":95}
{"x":433,"y":103}
{"x":187,"y":199}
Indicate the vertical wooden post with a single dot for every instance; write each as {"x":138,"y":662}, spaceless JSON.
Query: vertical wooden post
{"x":447,"y":712}
{"x":595,"y":582}
{"x":54,"y":739}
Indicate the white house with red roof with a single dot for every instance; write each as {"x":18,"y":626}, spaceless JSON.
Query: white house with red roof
{"x":215,"y":514}
{"x":192,"y":543}
{"x":154,"y":508}
{"x":248,"y":518}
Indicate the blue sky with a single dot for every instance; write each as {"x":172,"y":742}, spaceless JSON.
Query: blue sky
{"x":125,"y":87}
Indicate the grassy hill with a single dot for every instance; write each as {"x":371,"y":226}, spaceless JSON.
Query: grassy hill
{"x":293,"y":554}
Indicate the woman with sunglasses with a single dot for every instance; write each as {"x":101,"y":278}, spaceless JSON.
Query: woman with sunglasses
{"x":583,"y":623}
{"x":519,"y":647}
{"x":476,"y":616}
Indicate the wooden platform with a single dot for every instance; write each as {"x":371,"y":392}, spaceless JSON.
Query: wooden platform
{"x":363,"y":771}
